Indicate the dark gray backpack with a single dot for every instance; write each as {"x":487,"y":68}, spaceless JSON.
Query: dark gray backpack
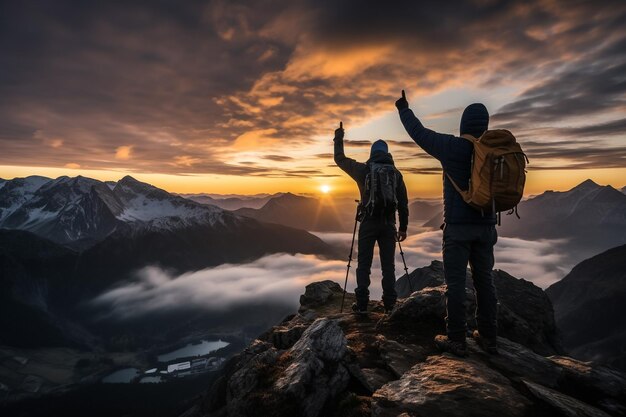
{"x":380,"y":185}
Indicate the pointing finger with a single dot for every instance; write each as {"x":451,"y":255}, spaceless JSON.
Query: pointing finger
{"x":403,"y":95}
{"x":340,"y":125}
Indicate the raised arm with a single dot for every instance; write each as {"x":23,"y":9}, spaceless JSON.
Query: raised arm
{"x":435,"y":144}
{"x":349,"y":165}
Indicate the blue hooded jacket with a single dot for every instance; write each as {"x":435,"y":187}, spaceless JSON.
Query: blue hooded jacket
{"x":455,"y":155}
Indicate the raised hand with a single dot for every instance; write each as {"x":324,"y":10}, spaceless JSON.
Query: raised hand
{"x":339,"y":132}
{"x":402,"y":103}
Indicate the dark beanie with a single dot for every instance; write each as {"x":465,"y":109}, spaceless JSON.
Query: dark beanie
{"x":475,"y":120}
{"x":379,"y":145}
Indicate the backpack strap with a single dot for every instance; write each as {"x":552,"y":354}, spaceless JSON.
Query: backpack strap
{"x":464,"y":194}
{"x":373,"y":186}
{"x":469,"y":137}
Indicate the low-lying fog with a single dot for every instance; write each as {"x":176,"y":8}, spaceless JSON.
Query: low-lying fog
{"x":281,"y":278}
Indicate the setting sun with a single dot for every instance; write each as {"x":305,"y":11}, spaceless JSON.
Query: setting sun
{"x":325,"y":188}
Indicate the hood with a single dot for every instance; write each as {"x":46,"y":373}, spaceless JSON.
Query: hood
{"x":475,"y":120}
{"x":381,"y":157}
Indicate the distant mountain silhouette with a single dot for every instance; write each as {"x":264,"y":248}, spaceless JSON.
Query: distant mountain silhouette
{"x":301,"y":212}
{"x":232,"y":203}
{"x":590,"y":306}
{"x":336,"y":215}
{"x":424,"y":210}
{"x":591,"y":218}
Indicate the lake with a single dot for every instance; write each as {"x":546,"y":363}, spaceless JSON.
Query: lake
{"x":199,"y":349}
{"x":123,"y":376}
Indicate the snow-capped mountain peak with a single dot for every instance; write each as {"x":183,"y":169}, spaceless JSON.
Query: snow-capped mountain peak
{"x":70,"y":209}
{"x":15,"y":192}
{"x":146,"y":203}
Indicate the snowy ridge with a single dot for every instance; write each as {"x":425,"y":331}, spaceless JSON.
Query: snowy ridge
{"x":145,"y":203}
{"x":70,"y":209}
{"x":14,"y":193}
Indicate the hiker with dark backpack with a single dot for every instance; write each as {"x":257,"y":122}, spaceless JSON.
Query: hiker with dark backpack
{"x":483,"y":175}
{"x":382,"y":192}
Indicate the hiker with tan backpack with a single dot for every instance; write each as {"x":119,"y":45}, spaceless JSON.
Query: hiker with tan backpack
{"x":484,"y":174}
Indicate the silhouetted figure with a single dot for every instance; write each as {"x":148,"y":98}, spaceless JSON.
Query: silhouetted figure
{"x":383,"y":192}
{"x":469,"y":235}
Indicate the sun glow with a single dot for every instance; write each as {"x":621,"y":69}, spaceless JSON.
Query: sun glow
{"x":325,"y":188}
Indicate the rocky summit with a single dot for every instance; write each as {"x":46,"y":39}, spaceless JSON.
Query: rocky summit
{"x":320,"y":362}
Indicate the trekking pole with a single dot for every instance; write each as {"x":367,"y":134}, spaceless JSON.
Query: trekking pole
{"x":345,"y":284}
{"x":406,"y":270}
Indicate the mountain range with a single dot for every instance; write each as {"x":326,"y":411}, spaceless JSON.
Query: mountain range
{"x":589,"y":308}
{"x":81,"y":212}
{"x":301,"y":212}
{"x":232,"y":202}
{"x":309,"y":213}
{"x":589,"y":219}
{"x":424,"y":210}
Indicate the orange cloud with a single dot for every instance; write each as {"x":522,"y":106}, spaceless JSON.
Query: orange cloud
{"x":186,"y":160}
{"x":123,"y":152}
{"x":54,"y":143}
{"x":255,"y":139}
{"x":271,"y":101}
{"x":310,"y":62}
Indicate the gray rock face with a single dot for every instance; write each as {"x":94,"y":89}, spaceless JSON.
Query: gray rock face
{"x":248,"y":378}
{"x":426,"y":304}
{"x":589,"y":308}
{"x":564,"y":404}
{"x":314,"y":372}
{"x":387,"y":365}
{"x":298,"y":381}
{"x":399,"y":357}
{"x":449,"y":386}
{"x":319,"y":293}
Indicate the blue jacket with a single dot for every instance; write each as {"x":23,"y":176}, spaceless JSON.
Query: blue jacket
{"x":455,"y":155}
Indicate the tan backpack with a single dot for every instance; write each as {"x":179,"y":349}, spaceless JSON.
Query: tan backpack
{"x":498,"y":172}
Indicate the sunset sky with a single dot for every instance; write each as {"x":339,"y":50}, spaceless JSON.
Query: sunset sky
{"x":244,"y":96}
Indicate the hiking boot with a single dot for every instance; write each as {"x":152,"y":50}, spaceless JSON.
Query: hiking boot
{"x":489,"y":345}
{"x":444,"y":344}
{"x":361,"y":310}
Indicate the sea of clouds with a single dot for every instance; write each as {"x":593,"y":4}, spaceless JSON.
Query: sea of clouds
{"x":281,"y":278}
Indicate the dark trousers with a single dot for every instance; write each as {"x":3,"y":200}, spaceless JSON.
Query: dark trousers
{"x":473,"y":243}
{"x":374,"y":230}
